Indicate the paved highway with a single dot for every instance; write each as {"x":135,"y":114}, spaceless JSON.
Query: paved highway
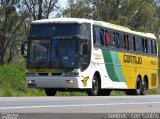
{"x":83,"y":104}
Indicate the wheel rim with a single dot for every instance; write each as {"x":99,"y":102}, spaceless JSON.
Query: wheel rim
{"x":138,"y":86}
{"x":144,"y":85}
{"x":95,"y":86}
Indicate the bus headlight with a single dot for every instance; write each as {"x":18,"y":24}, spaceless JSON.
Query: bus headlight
{"x":69,"y":81}
{"x":31,"y":81}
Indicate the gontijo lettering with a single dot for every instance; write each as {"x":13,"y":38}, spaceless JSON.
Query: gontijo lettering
{"x":132,"y":59}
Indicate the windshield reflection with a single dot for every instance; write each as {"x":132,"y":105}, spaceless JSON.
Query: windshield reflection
{"x":57,"y":53}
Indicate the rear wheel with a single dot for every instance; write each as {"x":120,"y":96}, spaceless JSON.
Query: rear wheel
{"x":144,"y":87}
{"x":138,"y":89}
{"x":95,"y":87}
{"x":50,"y":91}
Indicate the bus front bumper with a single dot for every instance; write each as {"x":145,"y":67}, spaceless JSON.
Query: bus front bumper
{"x":58,"y":82}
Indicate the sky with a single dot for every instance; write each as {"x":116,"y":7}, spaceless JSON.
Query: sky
{"x":63,"y":3}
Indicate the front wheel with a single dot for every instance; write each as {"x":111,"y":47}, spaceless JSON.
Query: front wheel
{"x":95,"y":87}
{"x":50,"y":91}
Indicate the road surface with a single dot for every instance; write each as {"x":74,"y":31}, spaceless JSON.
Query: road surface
{"x":83,"y":104}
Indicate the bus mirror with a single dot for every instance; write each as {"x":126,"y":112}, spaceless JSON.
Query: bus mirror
{"x":24,"y":47}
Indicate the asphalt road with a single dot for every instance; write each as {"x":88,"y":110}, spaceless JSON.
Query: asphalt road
{"x":84,"y":104}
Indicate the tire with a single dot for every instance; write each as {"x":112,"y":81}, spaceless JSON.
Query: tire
{"x":95,"y":87}
{"x":50,"y":91}
{"x":144,"y":87}
{"x":138,"y":89}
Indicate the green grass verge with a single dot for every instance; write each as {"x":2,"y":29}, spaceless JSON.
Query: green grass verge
{"x":13,"y":83}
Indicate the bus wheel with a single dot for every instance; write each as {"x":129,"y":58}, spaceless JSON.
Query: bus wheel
{"x":50,"y":91}
{"x":138,"y":89}
{"x":144,"y":87}
{"x":139,"y":86}
{"x":95,"y":87}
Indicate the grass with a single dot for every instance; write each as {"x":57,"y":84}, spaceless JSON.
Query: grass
{"x":13,"y":83}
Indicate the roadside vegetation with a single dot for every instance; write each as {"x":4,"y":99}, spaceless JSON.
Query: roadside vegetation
{"x":13,"y":83}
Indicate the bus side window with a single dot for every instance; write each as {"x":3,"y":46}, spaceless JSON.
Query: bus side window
{"x":121,"y":41}
{"x":111,"y":39}
{"x":139,"y":44}
{"x":143,"y":45}
{"x":155,"y":47}
{"x":152,"y":47}
{"x":146,"y":46}
{"x":117,"y":40}
{"x":106,"y":38}
{"x":131,"y":43}
{"x":149,"y":46}
{"x":126,"y":41}
{"x":102,"y":36}
{"x":96,"y":35}
{"x":134,"y":43}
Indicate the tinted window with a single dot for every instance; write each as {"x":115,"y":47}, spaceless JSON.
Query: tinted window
{"x":117,"y":40}
{"x":54,"y":30}
{"x":96,"y":36}
{"x":138,"y":43}
{"x":155,"y":47}
{"x":121,"y":43}
{"x":146,"y":46}
{"x":106,"y":38}
{"x":143,"y":45}
{"x":102,"y":37}
{"x":86,"y":30}
{"x":111,"y":39}
{"x":131,"y":43}
{"x":149,"y":46}
{"x":126,"y":41}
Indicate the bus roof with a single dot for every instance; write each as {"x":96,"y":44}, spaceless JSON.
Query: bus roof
{"x":97,"y":23}
{"x":63,"y":20}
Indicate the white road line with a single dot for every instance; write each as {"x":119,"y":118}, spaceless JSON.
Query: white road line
{"x":82,"y":105}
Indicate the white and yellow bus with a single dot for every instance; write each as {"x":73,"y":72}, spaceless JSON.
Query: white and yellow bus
{"x":94,"y":56}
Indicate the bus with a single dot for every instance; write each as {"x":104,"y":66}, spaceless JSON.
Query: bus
{"x":75,"y":54}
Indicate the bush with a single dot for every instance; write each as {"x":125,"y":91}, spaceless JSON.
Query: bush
{"x":13,"y":83}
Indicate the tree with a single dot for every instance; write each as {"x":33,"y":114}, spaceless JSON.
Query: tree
{"x":15,"y":17}
{"x":137,"y":15}
{"x":40,"y":9}
{"x":79,"y":9}
{"x":9,"y":26}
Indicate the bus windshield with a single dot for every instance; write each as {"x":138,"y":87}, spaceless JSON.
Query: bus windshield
{"x":55,"y":53}
{"x":57,"y":45}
